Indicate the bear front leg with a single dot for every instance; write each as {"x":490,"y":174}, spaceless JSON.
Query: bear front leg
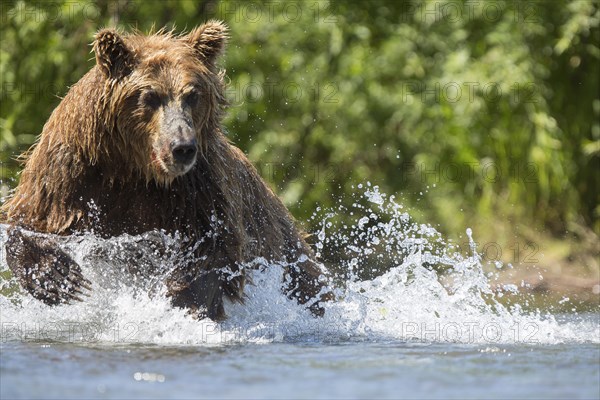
{"x":306,"y":284}
{"x":203,"y":296}
{"x":202,"y":292}
{"x":43,"y":269}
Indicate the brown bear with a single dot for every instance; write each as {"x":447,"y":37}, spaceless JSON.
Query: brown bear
{"x":139,"y":139}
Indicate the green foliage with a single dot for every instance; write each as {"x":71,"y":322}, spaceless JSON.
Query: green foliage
{"x":469,"y":111}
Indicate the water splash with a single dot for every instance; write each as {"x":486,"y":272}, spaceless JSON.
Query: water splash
{"x":396,"y":280}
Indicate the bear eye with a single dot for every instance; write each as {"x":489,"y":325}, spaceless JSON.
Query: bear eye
{"x":151,"y":99}
{"x":191,"y":98}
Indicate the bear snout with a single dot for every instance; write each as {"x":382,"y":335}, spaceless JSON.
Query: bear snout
{"x":184,"y":152}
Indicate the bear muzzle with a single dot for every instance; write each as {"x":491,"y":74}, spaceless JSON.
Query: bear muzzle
{"x":181,"y":148}
{"x":184,"y":152}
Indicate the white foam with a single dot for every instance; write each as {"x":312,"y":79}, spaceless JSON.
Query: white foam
{"x":408,"y":301}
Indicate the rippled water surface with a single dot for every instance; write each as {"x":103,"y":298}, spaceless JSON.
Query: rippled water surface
{"x":424,"y":323}
{"x":349,"y":369}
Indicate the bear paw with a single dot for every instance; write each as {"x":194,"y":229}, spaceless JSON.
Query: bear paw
{"x":46,"y":271}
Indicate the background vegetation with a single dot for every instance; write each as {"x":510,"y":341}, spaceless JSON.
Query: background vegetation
{"x":475,"y":114}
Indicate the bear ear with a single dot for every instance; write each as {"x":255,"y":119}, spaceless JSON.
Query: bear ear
{"x":113,"y":56}
{"x":209,"y":40}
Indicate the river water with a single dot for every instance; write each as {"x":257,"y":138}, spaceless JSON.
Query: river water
{"x":427,"y":324}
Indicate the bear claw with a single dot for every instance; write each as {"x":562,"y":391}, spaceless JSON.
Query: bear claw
{"x":47,"y":272}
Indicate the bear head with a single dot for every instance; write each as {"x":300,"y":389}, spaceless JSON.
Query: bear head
{"x":163,"y":96}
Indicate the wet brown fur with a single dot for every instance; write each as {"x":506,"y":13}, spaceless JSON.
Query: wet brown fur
{"x":97,"y":166}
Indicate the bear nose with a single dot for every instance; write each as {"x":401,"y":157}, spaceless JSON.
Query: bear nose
{"x":184,"y":152}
